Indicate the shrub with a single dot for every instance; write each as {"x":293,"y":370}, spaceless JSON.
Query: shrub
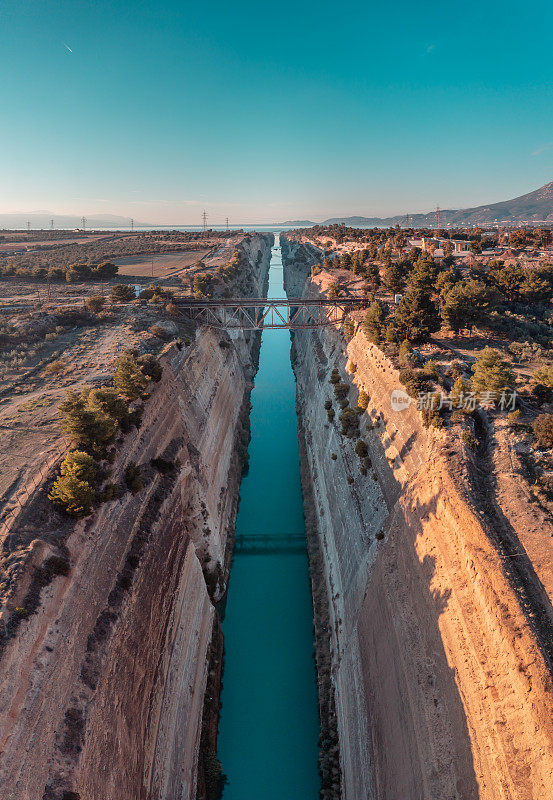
{"x":88,"y":429}
{"x":544,"y":375}
{"x":151,"y":367}
{"x":350,"y":422}
{"x":380,"y":535}
{"x":349,"y":328}
{"x":56,"y":367}
{"x":334,"y":376}
{"x":363,"y":400}
{"x":430,"y":368}
{"x":121,"y":293}
{"x":331,"y":414}
{"x":361,"y":449}
{"x":491,"y":372}
{"x":334,"y":456}
{"x":406,"y":355}
{"x":469,"y":440}
{"x":80,"y":465}
{"x":328,"y":404}
{"x":341,"y":390}
{"x":373,"y":323}
{"x":458,"y":393}
{"x":129,"y":378}
{"x":543,"y":430}
{"x":95,"y":303}
{"x":72,"y":495}
{"x":133,"y":479}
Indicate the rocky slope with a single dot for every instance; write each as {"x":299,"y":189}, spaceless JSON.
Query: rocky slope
{"x":102,"y":689}
{"x":440,"y":688}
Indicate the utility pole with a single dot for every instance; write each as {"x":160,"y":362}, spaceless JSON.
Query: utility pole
{"x":204,"y":220}
{"x":28,"y":226}
{"x":407,"y":220}
{"x":51,"y":224}
{"x":227,"y":226}
{"x":83,"y":219}
{"x":437,"y":217}
{"x":132,"y":225}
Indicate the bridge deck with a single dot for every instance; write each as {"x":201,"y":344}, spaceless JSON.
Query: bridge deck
{"x":255,"y":313}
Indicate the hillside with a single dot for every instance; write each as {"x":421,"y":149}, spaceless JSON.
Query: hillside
{"x":536,"y":206}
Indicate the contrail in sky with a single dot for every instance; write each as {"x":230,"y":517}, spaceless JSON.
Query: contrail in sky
{"x":67,"y":46}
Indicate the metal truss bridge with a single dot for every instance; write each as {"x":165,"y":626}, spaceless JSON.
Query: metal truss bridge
{"x":252,"y":314}
{"x":270,"y":544}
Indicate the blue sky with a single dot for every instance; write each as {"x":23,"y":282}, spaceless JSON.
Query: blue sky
{"x":267,"y":112}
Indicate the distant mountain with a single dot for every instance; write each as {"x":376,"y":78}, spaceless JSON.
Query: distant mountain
{"x":535,"y":206}
{"x":42,"y":220}
{"x":305,"y":222}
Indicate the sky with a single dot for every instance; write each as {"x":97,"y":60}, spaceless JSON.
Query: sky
{"x":262,"y":113}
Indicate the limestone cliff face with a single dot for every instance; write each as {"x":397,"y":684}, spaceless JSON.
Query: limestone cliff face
{"x":440,"y":688}
{"x":103,"y":688}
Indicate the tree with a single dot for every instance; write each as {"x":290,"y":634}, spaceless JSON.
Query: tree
{"x":373,"y":323}
{"x":128,"y":378}
{"x":491,"y":372}
{"x":543,"y":430}
{"x":467,"y":304}
{"x":406,"y":356}
{"x":393,"y":278}
{"x":544,"y":375}
{"x":349,"y":328}
{"x":423,"y":275}
{"x":88,"y":429}
{"x":121,"y":293}
{"x":72,"y":495}
{"x":108,"y":401}
{"x":105,"y":271}
{"x":80,"y":465}
{"x":416,"y":317}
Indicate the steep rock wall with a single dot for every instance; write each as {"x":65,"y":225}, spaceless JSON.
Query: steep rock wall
{"x":103,"y":688}
{"x":440,"y":688}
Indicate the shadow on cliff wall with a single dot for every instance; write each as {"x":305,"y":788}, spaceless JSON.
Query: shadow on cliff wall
{"x":420,"y":737}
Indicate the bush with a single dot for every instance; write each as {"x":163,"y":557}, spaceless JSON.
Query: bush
{"x":72,"y":495}
{"x":328,"y":404}
{"x":151,"y":367}
{"x":363,"y":400}
{"x":543,"y":430}
{"x":331,"y":414}
{"x":341,"y":390}
{"x":334,"y":456}
{"x":469,"y":440}
{"x":89,"y":429}
{"x":80,"y":465}
{"x":57,"y":367}
{"x":361,"y":449}
{"x":349,"y":328}
{"x":430,"y":369}
{"x":406,"y":355}
{"x":122,"y":293}
{"x":133,"y":479}
{"x":544,"y":376}
{"x":129,"y":378}
{"x":350,"y":422}
{"x":95,"y":303}
{"x":334,"y":376}
{"x":491,"y":372}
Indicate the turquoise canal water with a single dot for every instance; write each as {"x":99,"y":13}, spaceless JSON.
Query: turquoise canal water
{"x":269,"y":728}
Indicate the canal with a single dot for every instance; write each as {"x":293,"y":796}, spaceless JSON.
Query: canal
{"x":269,"y":727}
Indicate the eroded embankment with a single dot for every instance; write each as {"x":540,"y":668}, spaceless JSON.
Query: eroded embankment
{"x":440,"y":688}
{"x":103,"y":688}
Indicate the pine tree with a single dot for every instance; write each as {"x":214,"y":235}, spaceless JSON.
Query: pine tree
{"x":416,"y":317}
